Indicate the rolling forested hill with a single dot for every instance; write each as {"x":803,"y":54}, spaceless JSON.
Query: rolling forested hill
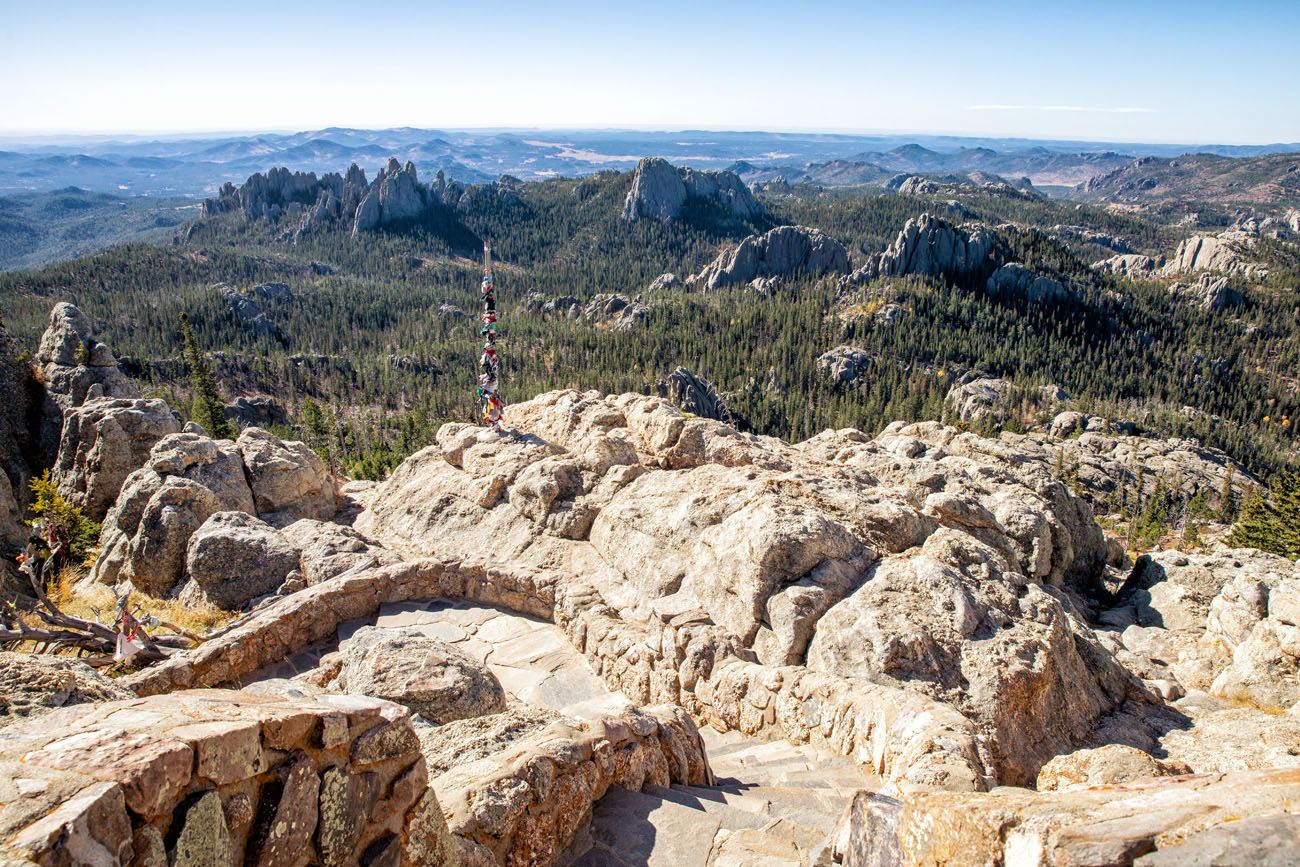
{"x":374,"y":340}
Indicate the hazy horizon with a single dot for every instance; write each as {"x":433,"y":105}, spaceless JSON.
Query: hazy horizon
{"x":1170,"y":73}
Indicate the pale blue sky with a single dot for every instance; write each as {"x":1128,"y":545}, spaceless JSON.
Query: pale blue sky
{"x":1157,"y":72}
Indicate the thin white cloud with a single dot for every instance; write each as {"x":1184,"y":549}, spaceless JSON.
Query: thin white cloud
{"x":1105,"y":109}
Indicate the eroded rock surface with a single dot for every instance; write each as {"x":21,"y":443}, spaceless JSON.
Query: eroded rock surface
{"x":779,"y":254}
{"x":31,"y":684}
{"x":667,"y":515}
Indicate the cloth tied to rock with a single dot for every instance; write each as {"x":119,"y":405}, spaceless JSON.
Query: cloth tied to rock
{"x":491,"y":406}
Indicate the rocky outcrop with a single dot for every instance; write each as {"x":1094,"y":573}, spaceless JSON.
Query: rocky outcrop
{"x":74,"y":365}
{"x":233,"y":558}
{"x":1210,"y":291}
{"x":1085,"y":235}
{"x":613,"y":484}
{"x":250,"y":315}
{"x":1225,"y":253}
{"x":219,"y":777}
{"x":329,"y":550}
{"x":844,"y":365}
{"x":683,"y":660}
{"x":525,"y":804}
{"x":976,"y":397}
{"x":31,"y":684}
{"x":664,"y":283}
{"x":929,"y":246}
{"x":611,"y":310}
{"x":1015,"y":280}
{"x":1129,"y":265}
{"x":186,"y":480}
{"x":104,"y":440}
{"x":428,"y":676}
{"x":661,"y":191}
{"x":783,"y":253}
{"x":693,"y":394}
{"x":395,"y":197}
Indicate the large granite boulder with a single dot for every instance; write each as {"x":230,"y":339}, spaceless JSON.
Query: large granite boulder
{"x":1226,"y":253}
{"x":1105,"y":766}
{"x":924,"y":557}
{"x":234,"y":558}
{"x":329,"y":550}
{"x":288,"y":479}
{"x":1133,"y":265}
{"x":782,"y":253}
{"x":431,"y":677}
{"x":31,"y":684}
{"x":1015,"y":280}
{"x":104,"y":440}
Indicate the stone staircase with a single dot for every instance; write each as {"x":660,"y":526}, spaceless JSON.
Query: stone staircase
{"x":774,"y":804}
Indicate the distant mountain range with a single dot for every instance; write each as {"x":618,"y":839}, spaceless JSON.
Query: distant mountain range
{"x":196,"y":166}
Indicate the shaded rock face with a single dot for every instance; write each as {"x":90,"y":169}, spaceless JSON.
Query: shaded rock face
{"x":31,"y":684}
{"x":661,"y":191}
{"x":104,"y":440}
{"x":75,"y":365}
{"x":233,"y":558}
{"x":427,"y":675}
{"x":924,"y":557}
{"x":187,"y":479}
{"x":693,"y":394}
{"x":929,"y":246}
{"x":1016,"y":280}
{"x":845,"y":365}
{"x":245,"y":308}
{"x":256,"y":411}
{"x":1212,"y":292}
{"x":21,"y":446}
{"x":782,"y":253}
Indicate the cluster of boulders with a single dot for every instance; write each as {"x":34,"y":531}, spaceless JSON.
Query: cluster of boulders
{"x":1226,"y":622}
{"x":780,"y":254}
{"x":976,"y":397}
{"x":663,"y":192}
{"x":226,"y":521}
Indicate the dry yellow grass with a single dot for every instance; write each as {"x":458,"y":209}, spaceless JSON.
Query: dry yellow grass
{"x":99,"y":603}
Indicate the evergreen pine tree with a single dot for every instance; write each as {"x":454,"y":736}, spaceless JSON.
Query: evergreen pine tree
{"x":1271,"y":523}
{"x":208,"y":409}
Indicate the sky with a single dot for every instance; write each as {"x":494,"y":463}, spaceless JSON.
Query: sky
{"x":1181,"y":72}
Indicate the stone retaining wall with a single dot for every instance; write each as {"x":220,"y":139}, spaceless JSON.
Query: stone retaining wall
{"x":525,"y":805}
{"x":685,"y":660}
{"x":214,"y":777}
